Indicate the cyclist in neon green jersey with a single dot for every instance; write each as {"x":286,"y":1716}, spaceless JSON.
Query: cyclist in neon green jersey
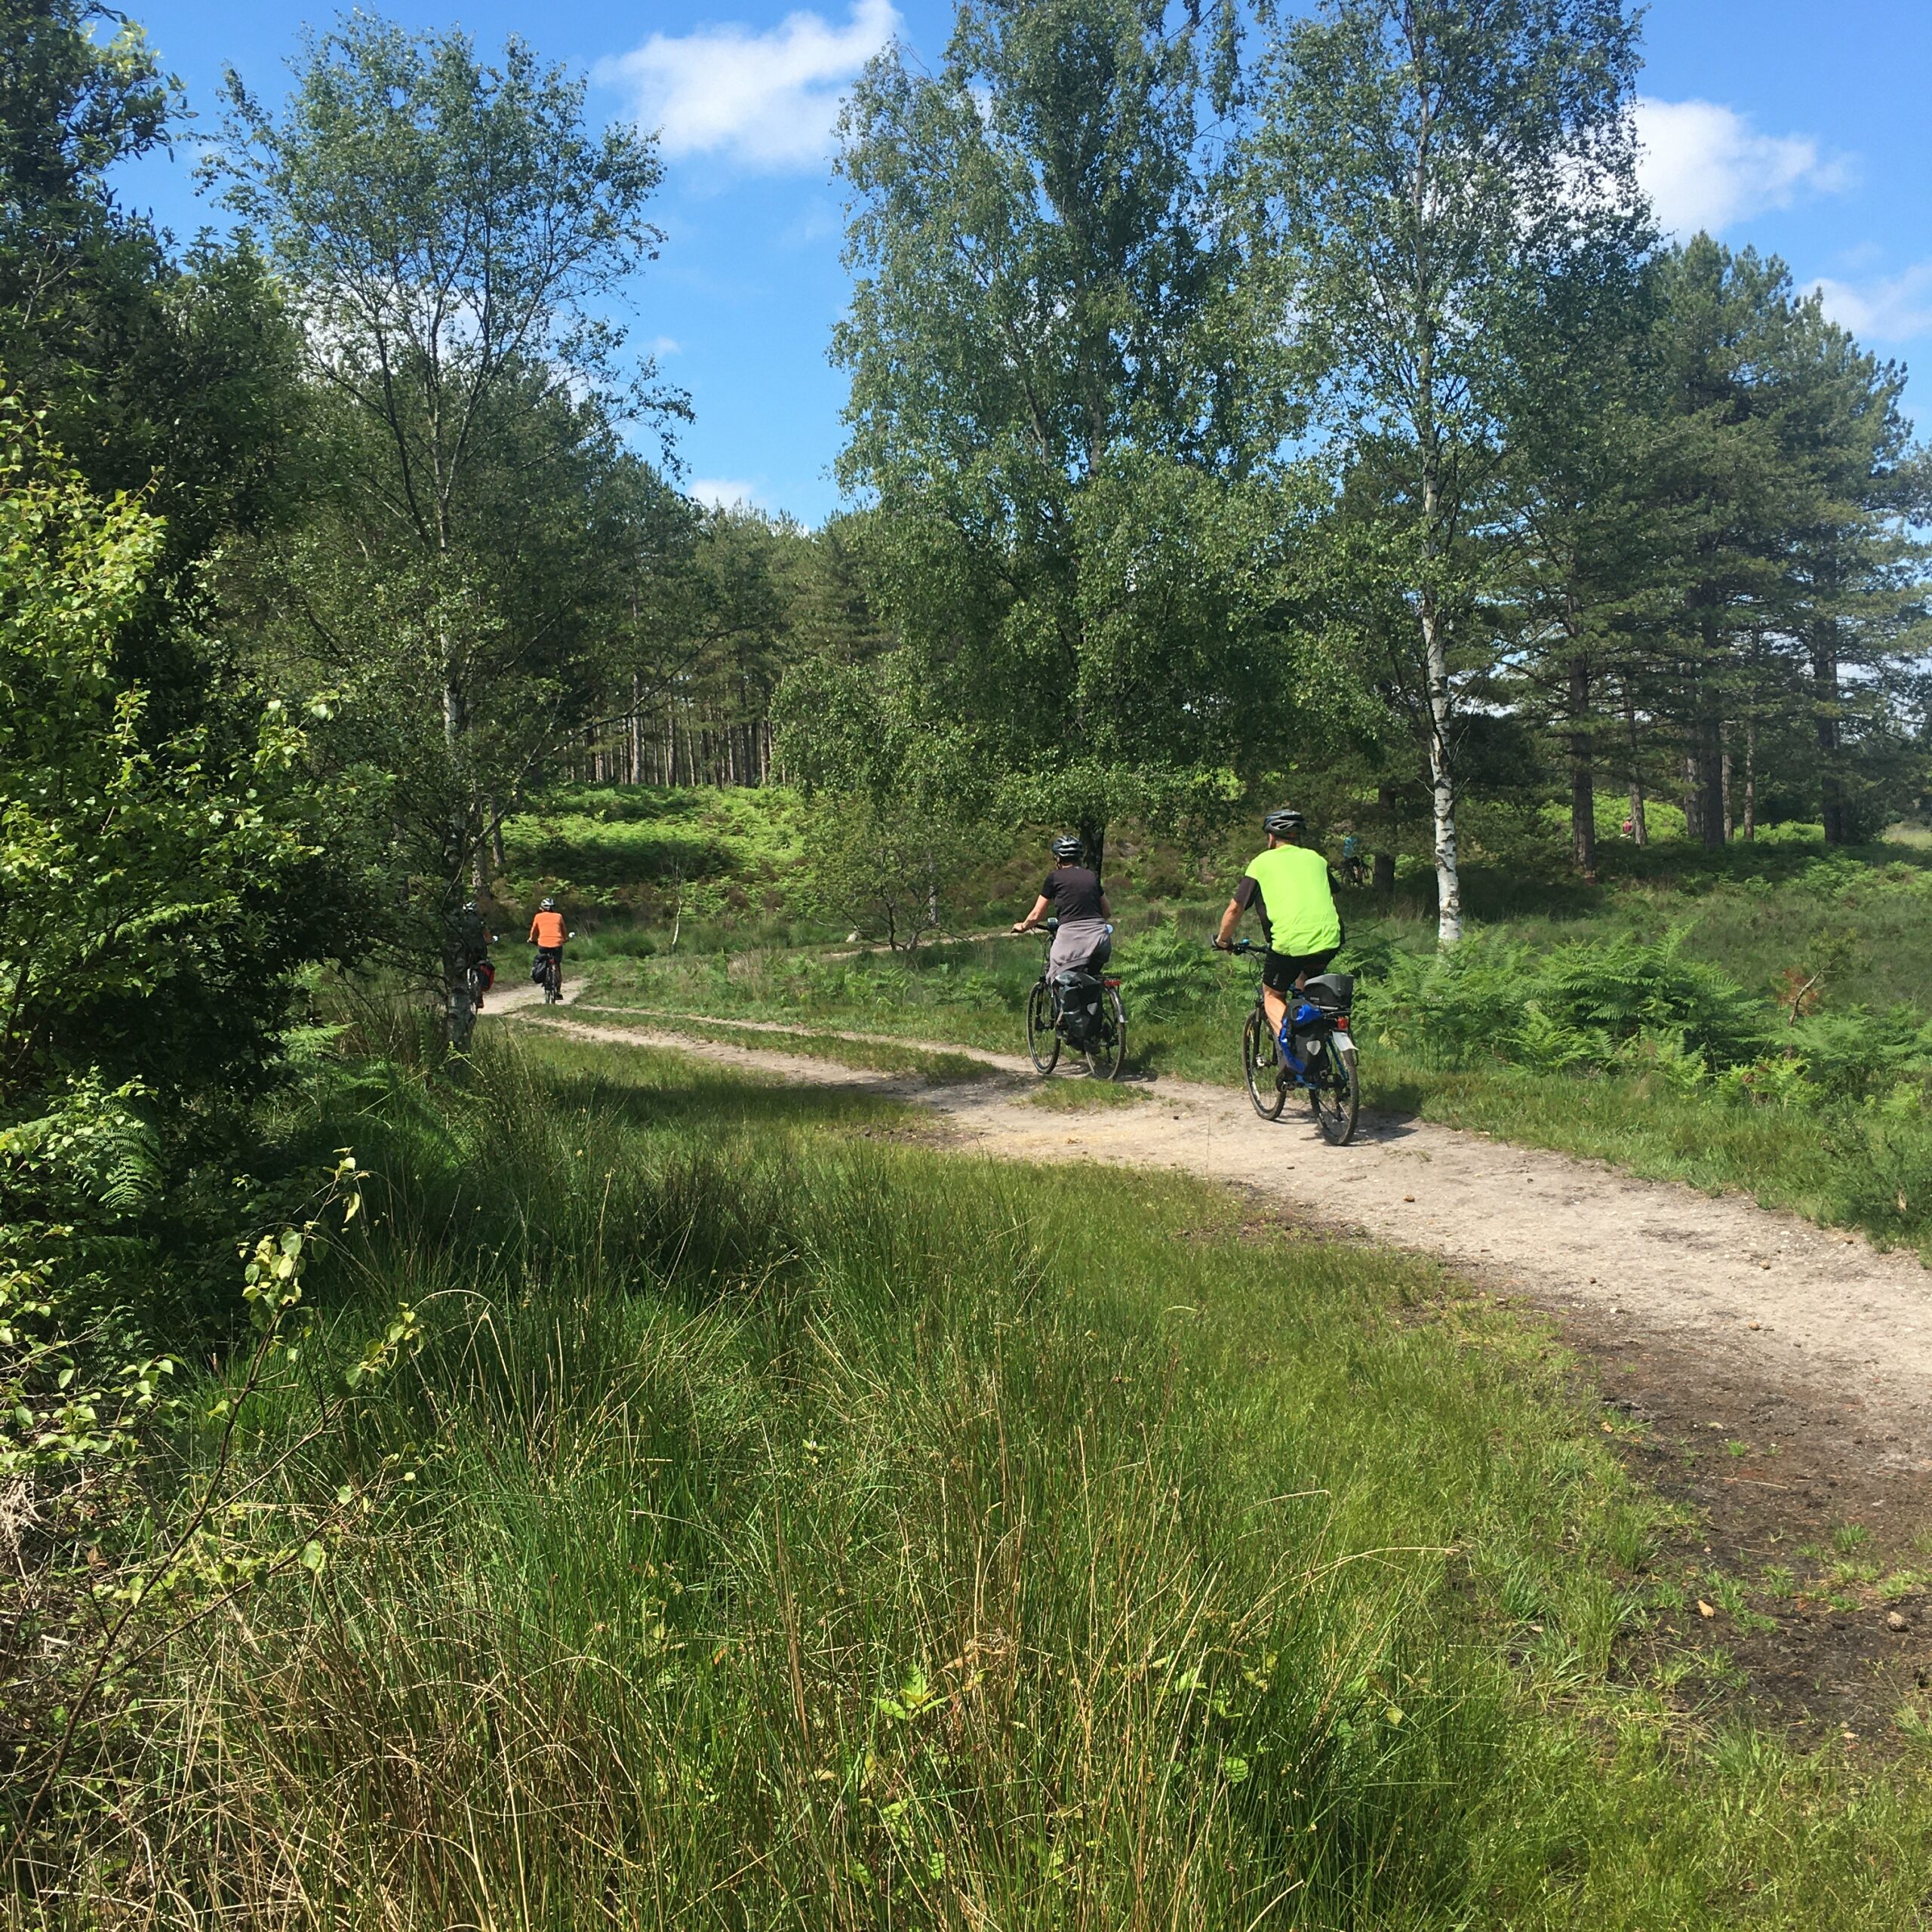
{"x":1290,"y":885}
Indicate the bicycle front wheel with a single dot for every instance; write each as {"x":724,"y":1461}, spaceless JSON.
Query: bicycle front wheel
{"x":1336,"y":1097}
{"x":1105,"y":1060}
{"x":1262,"y":1066}
{"x":1042,"y":1042}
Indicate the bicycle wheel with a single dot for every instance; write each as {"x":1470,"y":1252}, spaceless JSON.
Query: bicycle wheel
{"x":1104,"y":1061}
{"x":1336,"y":1097}
{"x":1042,"y":1042}
{"x":1261,"y":1064}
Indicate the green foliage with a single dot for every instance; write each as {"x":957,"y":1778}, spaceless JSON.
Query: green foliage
{"x":1576,"y":1006}
{"x":716,"y":1399}
{"x":151,"y":888}
{"x":889,"y":869}
{"x":1165,"y":970}
{"x":1078,"y":536}
{"x":648,"y":851}
{"x":453,"y":235}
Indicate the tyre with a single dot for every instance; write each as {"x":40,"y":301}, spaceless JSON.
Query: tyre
{"x":1042,"y":1042}
{"x":1261,"y":1065}
{"x":1336,"y":1097}
{"x":1107,"y":1057}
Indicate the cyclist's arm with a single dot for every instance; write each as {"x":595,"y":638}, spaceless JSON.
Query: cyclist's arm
{"x":1033,"y":918}
{"x":1106,"y":911}
{"x":1230,"y":919}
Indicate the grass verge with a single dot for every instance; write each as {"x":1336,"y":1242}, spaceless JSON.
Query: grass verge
{"x":777,"y":1526}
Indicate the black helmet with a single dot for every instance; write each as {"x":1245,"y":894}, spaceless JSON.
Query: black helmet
{"x":469,"y":905}
{"x":1281,"y":821}
{"x":549,"y":905}
{"x":1069,"y":849}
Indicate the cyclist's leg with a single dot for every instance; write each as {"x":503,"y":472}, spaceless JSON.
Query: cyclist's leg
{"x":1277,"y":982}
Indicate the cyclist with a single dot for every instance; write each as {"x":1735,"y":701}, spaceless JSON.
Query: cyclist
{"x":1290,"y":886}
{"x":475,"y":939}
{"x":1352,"y":869}
{"x":1074,"y":888}
{"x":547,"y":935}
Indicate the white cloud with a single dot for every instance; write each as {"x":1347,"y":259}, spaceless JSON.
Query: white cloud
{"x":1893,"y":309}
{"x":1704,"y":166}
{"x":665,"y":345}
{"x":766,"y":100}
{"x":722,"y":493}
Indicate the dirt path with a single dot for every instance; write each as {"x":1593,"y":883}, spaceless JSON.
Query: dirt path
{"x":1783,"y":1373}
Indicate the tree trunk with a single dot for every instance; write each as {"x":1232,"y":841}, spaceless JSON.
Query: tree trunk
{"x":1093,"y":836}
{"x":1750,"y":778}
{"x":1441,"y":777}
{"x":1640,"y":830}
{"x":459,"y":1008}
{"x":1723,"y":740}
{"x":1824,"y":704}
{"x":1582,"y":776}
{"x":1383,"y":875}
{"x":1710,"y":781}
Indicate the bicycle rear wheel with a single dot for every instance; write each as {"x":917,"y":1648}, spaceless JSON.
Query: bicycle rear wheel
{"x":1336,"y":1097}
{"x":1042,"y":1042}
{"x":1261,"y":1064}
{"x":1105,"y":1059}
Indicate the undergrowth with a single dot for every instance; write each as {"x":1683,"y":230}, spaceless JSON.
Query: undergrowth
{"x":777,"y":1525}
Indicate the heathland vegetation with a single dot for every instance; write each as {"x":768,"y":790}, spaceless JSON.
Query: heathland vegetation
{"x":447,"y":1481}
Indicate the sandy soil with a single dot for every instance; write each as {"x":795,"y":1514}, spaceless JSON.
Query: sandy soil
{"x":1782,"y":1371}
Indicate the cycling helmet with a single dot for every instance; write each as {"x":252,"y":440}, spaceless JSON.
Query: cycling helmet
{"x":1280,"y":822}
{"x":469,"y":905}
{"x":1068,"y":851}
{"x":549,"y":905}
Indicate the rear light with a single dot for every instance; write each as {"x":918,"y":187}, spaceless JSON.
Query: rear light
{"x":1340,"y":1023}
{"x":1114,"y":983}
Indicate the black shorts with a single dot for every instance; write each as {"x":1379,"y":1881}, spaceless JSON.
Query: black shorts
{"x":1280,"y":970}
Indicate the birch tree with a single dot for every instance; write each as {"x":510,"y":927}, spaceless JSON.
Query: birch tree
{"x":1427,"y":164}
{"x":454,"y":238}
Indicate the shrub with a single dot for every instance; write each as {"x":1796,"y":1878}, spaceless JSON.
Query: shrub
{"x":1164,"y":971}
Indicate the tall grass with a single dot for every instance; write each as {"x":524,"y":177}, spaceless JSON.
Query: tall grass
{"x":782,"y":1526}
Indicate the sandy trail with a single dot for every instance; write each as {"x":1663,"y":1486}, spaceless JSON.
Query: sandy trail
{"x":1820,"y":1320}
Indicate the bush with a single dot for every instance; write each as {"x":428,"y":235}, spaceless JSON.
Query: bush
{"x":1165,"y":971}
{"x":1579,"y":1006}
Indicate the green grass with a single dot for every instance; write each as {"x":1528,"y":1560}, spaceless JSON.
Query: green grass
{"x":779,"y":1526}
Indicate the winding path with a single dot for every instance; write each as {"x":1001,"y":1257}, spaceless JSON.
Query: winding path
{"x":1801,"y":1318}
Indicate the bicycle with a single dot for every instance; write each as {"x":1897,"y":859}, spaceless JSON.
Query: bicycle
{"x":1319,"y":1015}
{"x":550,"y":975}
{"x":1095,"y":1027}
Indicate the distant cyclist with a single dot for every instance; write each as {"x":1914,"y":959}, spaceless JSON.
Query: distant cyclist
{"x":1290,"y":886}
{"x":1351,"y":865}
{"x":547,"y":934}
{"x":474,"y":939}
{"x":1073,"y":889}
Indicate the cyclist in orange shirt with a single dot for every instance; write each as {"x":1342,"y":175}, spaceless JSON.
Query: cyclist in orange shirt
{"x":547,"y":934}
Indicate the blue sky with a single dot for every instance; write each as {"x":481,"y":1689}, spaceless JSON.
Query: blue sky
{"x":1801,"y":128}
